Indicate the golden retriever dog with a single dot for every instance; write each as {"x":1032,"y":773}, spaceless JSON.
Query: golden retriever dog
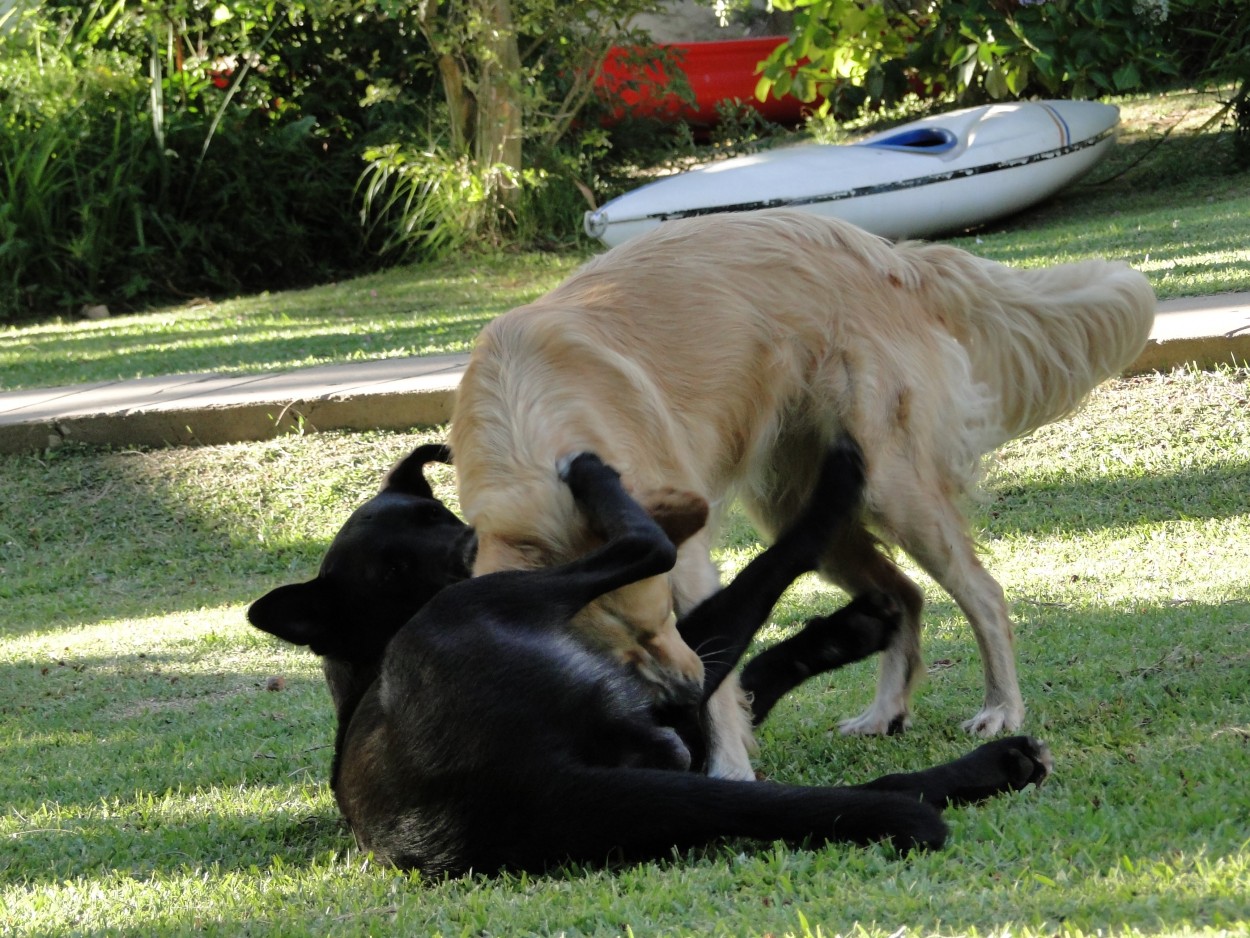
{"x":722,"y":355}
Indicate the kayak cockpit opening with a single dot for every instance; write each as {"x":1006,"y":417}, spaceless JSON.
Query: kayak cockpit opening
{"x":916,"y":140}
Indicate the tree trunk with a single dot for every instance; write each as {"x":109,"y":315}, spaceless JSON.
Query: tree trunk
{"x":498,"y":133}
{"x":452,"y":68}
{"x":459,"y":103}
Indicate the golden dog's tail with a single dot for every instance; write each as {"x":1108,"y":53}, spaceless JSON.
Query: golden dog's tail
{"x":1040,"y":340}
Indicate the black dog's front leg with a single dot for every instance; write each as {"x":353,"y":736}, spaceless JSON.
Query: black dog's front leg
{"x":1000,"y":766}
{"x":857,"y":630}
{"x":721,"y":627}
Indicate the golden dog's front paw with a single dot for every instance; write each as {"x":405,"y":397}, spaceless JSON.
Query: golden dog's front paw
{"x":877,"y":721}
{"x":1000,"y":718}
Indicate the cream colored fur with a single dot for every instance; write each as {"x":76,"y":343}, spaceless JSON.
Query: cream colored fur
{"x":721,"y":354}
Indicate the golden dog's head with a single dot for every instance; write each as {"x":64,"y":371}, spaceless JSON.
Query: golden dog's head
{"x":635,"y":624}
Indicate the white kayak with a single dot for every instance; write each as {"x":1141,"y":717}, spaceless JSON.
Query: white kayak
{"x":943,"y":173}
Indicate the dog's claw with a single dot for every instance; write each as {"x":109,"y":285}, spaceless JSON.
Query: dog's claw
{"x":870,"y":723}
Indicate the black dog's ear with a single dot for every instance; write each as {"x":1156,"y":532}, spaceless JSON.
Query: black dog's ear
{"x":408,"y":475}
{"x":297,"y":612}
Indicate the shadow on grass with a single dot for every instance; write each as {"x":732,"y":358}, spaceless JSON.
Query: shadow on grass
{"x":91,"y":536}
{"x":158,"y":762}
{"x":141,"y":848}
{"x":1066,"y":504}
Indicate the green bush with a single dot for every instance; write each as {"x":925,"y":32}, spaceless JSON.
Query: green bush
{"x":75,"y":151}
{"x":859,"y":54}
{"x":1068,"y":48}
{"x":152,"y":151}
{"x":229,"y":145}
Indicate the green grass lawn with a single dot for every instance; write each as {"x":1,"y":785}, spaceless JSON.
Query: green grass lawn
{"x":1176,"y":211}
{"x":152,"y":785}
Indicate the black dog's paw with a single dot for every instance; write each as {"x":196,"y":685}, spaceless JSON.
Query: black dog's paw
{"x":1025,"y":760}
{"x":872,"y":619}
{"x":847,"y":453}
{"x":564,"y":465}
{"x":861,"y":628}
{"x":843,"y":467}
{"x":585,"y":471}
{"x":838,"y":490}
{"x":1000,"y":766}
{"x":665,"y":750}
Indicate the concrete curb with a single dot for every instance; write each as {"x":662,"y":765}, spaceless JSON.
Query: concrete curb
{"x":210,"y":409}
{"x":403,"y":393}
{"x":1204,"y":331}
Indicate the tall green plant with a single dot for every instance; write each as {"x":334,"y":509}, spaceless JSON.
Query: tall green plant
{"x":72,"y":147}
{"x":157,"y":148}
{"x":425,"y":202}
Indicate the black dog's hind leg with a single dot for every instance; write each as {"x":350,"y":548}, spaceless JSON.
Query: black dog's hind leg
{"x":650,"y":810}
{"x":590,"y":814}
{"x":857,"y":630}
{"x":721,"y":627}
{"x":1000,"y":766}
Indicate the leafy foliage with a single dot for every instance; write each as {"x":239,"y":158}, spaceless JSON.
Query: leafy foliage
{"x":156,"y":149}
{"x":73,"y":153}
{"x":855,"y":53}
{"x":219,"y":146}
{"x":518,"y":131}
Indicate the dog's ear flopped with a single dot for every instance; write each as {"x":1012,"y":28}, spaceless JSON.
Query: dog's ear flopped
{"x":408,"y":475}
{"x":297,"y":613}
{"x":679,"y":514}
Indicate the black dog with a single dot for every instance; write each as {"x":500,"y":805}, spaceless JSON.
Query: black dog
{"x":485,"y":735}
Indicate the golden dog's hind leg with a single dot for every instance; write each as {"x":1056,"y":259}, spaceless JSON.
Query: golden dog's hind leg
{"x":935,"y":533}
{"x":731,"y":740}
{"x":854,"y":562}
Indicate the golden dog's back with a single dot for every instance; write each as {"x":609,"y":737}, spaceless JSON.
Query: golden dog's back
{"x":678,"y":355}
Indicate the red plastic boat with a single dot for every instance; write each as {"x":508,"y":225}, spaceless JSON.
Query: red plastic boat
{"x":717,"y":71}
